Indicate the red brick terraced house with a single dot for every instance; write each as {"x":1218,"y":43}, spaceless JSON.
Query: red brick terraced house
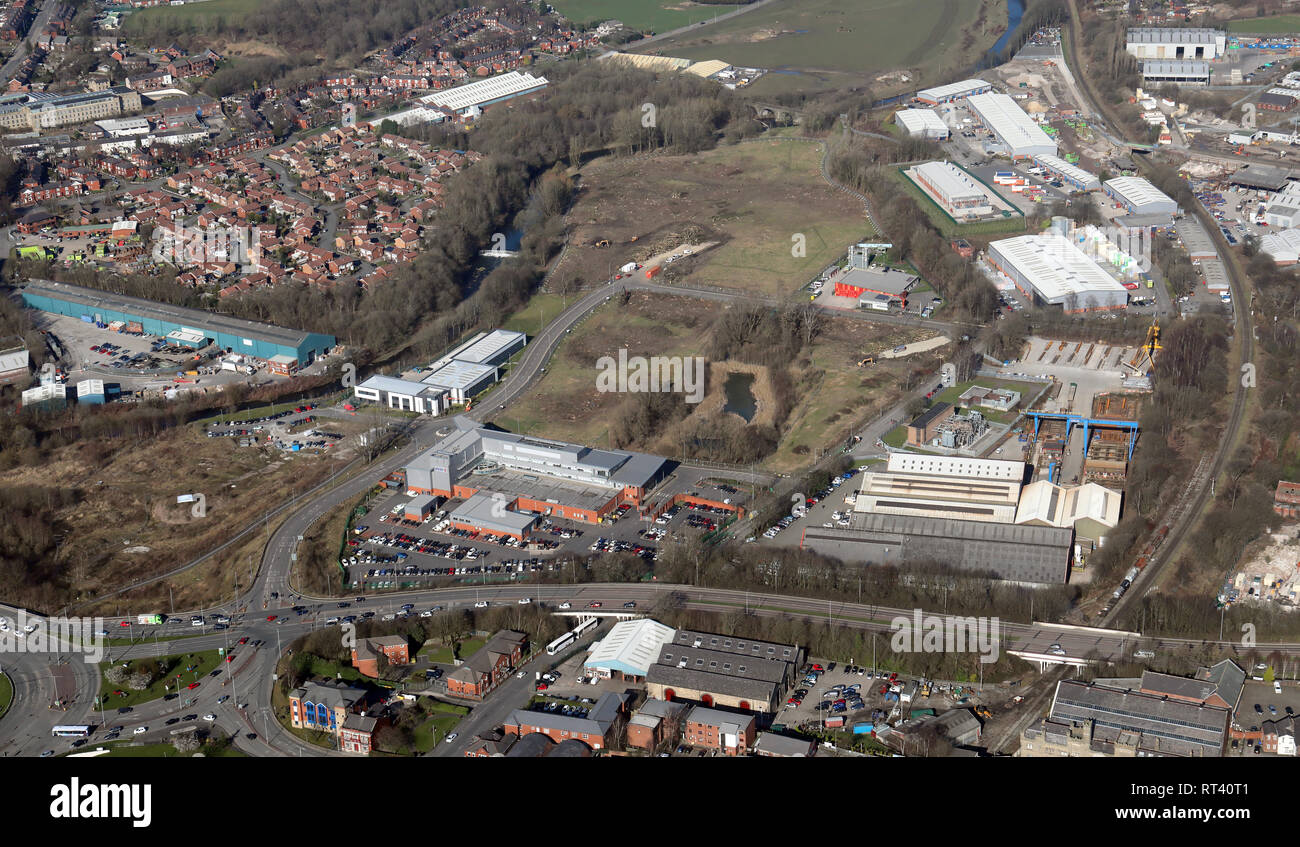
{"x":490,"y":664}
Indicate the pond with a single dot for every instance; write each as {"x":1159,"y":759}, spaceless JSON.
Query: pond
{"x":740,"y":395}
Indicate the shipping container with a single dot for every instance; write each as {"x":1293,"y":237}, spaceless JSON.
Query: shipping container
{"x":653,"y":272}
{"x":864,"y":728}
{"x":836,"y":721}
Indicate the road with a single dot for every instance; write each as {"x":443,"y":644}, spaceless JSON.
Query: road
{"x":21,"y":50}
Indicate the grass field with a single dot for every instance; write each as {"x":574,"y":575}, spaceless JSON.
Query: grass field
{"x":6,"y":693}
{"x":753,"y":198}
{"x":933,"y":38}
{"x":641,"y":15}
{"x":1276,"y":24}
{"x":192,"y":667}
{"x":833,"y":391}
{"x":193,"y":10}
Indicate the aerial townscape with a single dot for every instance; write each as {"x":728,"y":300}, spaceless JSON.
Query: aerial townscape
{"x":831,"y":379}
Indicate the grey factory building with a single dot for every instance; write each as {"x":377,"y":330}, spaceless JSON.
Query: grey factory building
{"x":1039,"y":554}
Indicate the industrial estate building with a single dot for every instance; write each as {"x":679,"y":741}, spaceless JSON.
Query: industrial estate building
{"x":1053,"y":271}
{"x":953,"y":189}
{"x":1175,"y":71}
{"x":507,"y":480}
{"x":38,"y":110}
{"x":1012,"y":127}
{"x":719,"y":670}
{"x":15,"y":365}
{"x":1072,"y":175}
{"x":455,"y":378}
{"x":1176,"y":43}
{"x":628,"y":651}
{"x":190,"y":327}
{"x":1140,"y":197}
{"x":922,"y":123}
{"x":462,"y":99}
{"x":1106,"y":718}
{"x":976,"y":514}
{"x":1283,"y":247}
{"x":952,"y":91}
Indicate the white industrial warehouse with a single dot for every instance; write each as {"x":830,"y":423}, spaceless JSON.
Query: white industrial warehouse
{"x":922,"y":123}
{"x":952,"y":91}
{"x":1283,"y":247}
{"x":629,"y":650}
{"x":953,"y":189}
{"x":1139,"y":196}
{"x":1012,"y":127}
{"x":1073,"y":175}
{"x":463,"y":98}
{"x":1176,"y":43}
{"x":1052,"y":270}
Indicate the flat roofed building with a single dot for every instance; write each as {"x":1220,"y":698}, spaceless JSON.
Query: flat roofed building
{"x":1072,"y":175}
{"x":403,"y":394}
{"x":259,"y":340}
{"x":485,"y":92}
{"x":952,"y":91}
{"x":1176,"y":43}
{"x":960,"y":466}
{"x":628,"y":651}
{"x":1176,"y":71}
{"x":1007,"y":551}
{"x":1011,"y":125}
{"x":958,"y":194}
{"x":1196,"y":241}
{"x":922,"y":123}
{"x":481,"y":513}
{"x":990,"y":398}
{"x":1055,"y":272}
{"x":775,"y":745}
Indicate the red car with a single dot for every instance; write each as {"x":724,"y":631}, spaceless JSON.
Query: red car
{"x":541,"y":686}
{"x":593,"y":605}
{"x":230,"y":658}
{"x":270,"y":617}
{"x":884,"y":688}
{"x":125,"y":623}
{"x":192,"y":686}
{"x":818,"y":668}
{"x":244,"y":640}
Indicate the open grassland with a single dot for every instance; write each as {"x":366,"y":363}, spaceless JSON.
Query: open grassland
{"x":931,"y":38}
{"x":834,"y":393}
{"x":640,"y":15}
{"x":1276,"y":24}
{"x":753,"y":199}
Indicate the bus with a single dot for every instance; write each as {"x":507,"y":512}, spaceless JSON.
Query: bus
{"x":585,"y":627}
{"x":560,"y":643}
{"x":71,"y":731}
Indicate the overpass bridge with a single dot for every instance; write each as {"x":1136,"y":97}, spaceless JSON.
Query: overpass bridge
{"x":1049,"y":644}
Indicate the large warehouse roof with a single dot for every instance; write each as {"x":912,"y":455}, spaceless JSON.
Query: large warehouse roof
{"x":205,"y":321}
{"x":482,"y":510}
{"x":486,"y":346}
{"x":1011,"y":125}
{"x":938,"y":495}
{"x":1074,"y":172}
{"x":950,"y":181}
{"x":1138,"y":192}
{"x":1053,"y":265}
{"x":458,"y":375}
{"x":923,"y":122}
{"x":1173,"y":35}
{"x":1047,"y":504}
{"x":956,"y":466}
{"x":952,"y":89}
{"x":477,"y":93}
{"x":630,"y":647}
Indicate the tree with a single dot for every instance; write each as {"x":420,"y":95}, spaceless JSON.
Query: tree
{"x":115,"y":674}
{"x":187,"y":742}
{"x":139,"y":681}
